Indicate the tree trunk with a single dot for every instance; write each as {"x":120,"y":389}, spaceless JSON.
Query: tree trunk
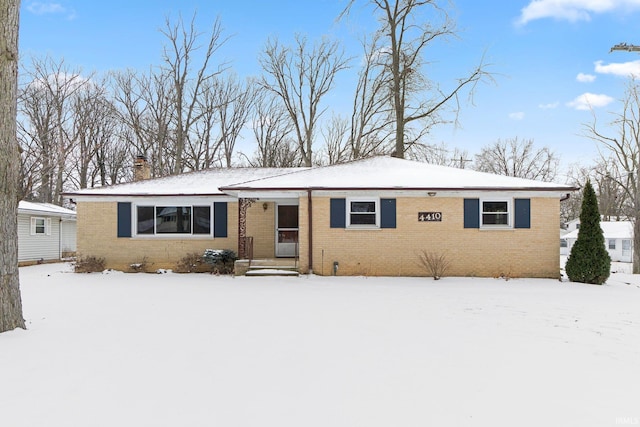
{"x":10,"y":300}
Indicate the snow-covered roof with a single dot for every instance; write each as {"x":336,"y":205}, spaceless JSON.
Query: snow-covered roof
{"x":205,"y":182}
{"x":610,"y":230}
{"x":44,"y":209}
{"x":374,"y":173}
{"x":393,"y":173}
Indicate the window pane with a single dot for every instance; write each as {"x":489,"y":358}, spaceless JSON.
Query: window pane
{"x":202,"y":220}
{"x":145,"y":219}
{"x":494,"y":207}
{"x":40,"y":228}
{"x":173,"y":219}
{"x":612,"y":244}
{"x":287,"y":216}
{"x":363,"y":206}
{"x":363,"y":219}
{"x":495,"y":219}
{"x":626,"y":245}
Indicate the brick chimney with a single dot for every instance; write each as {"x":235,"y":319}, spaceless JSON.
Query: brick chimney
{"x":141,"y":168}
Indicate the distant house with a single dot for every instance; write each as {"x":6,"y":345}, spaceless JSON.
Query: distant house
{"x":367,"y":217}
{"x":46,"y":232}
{"x":618,"y":238}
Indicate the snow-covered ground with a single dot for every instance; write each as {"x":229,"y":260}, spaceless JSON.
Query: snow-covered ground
{"x":199,"y":350}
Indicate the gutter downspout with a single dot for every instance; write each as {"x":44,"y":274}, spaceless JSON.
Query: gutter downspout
{"x":310,"y":218}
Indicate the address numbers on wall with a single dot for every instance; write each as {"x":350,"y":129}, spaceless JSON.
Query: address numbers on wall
{"x":429,"y":216}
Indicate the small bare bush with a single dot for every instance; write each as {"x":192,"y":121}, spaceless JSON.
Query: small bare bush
{"x":88,"y":264}
{"x":435,"y":263}
{"x":190,"y":263}
{"x":139,"y":267}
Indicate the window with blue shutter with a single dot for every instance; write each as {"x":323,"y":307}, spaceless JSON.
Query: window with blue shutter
{"x":338,"y":213}
{"x":387,"y":213}
{"x":522,"y":213}
{"x":124,"y":219}
{"x":471,"y":213}
{"x":220,"y":219}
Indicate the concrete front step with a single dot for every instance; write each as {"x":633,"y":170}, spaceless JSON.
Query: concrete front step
{"x":266,"y":267}
{"x":271,"y":272}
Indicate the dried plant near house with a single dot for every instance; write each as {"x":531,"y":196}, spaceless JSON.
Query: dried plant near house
{"x":190,"y":263}
{"x":89,"y":264}
{"x":139,"y":267}
{"x":436,"y":264}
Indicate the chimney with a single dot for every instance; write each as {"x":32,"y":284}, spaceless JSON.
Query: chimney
{"x":141,"y":168}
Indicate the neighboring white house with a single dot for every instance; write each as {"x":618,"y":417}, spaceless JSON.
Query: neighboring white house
{"x":46,"y":232}
{"x":618,"y":238}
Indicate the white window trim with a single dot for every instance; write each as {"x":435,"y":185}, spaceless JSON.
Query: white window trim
{"x":510,"y":207}
{"x":375,"y":226}
{"x":47,"y":226}
{"x":155,"y":235}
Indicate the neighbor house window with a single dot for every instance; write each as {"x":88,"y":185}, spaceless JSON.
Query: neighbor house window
{"x":612,"y":244}
{"x":362,"y":212}
{"x":173,"y":220}
{"x":563,"y":243}
{"x":40,"y":226}
{"x":495,"y":213}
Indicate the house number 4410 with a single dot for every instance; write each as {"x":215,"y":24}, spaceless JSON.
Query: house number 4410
{"x":429,"y":216}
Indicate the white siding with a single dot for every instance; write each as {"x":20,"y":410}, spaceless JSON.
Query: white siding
{"x":617,"y":255}
{"x":68,"y":236}
{"x":38,"y":247}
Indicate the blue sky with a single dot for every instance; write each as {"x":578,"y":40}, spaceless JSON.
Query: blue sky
{"x":550,"y":58}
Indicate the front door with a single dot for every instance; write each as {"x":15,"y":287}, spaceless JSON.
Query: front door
{"x":287,"y":230}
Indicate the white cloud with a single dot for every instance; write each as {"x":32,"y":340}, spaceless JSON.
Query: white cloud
{"x":44,"y":8}
{"x":516,"y":116}
{"x":40,"y":8}
{"x":624,"y":69}
{"x":572,"y":10}
{"x":549,"y":106}
{"x":587,"y":101}
{"x":585,"y":78}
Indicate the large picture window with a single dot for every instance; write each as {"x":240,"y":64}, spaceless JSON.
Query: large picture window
{"x":495,"y":213}
{"x":173,"y":220}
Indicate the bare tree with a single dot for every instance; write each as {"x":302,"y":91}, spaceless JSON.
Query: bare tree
{"x":45,"y":103}
{"x":187,"y":87}
{"x":144,"y":104}
{"x":518,"y":158}
{"x":301,"y":76}
{"x":439,"y":155}
{"x":407,"y":30}
{"x":235,"y":101}
{"x":272,"y":129}
{"x":10,"y":299}
{"x":371,"y":116}
{"x":624,"y":147}
{"x":336,"y":138}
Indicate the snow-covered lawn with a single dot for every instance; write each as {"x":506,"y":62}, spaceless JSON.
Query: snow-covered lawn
{"x":199,"y":350}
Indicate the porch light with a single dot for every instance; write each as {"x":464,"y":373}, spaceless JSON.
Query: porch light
{"x":265,"y":206}
{"x":431,"y":193}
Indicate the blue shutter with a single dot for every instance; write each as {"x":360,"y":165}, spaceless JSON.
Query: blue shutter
{"x":387,"y":213}
{"x":471,"y":213}
{"x":220,"y":219}
{"x":338,"y":213}
{"x":522,"y":213}
{"x":124,"y":219}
